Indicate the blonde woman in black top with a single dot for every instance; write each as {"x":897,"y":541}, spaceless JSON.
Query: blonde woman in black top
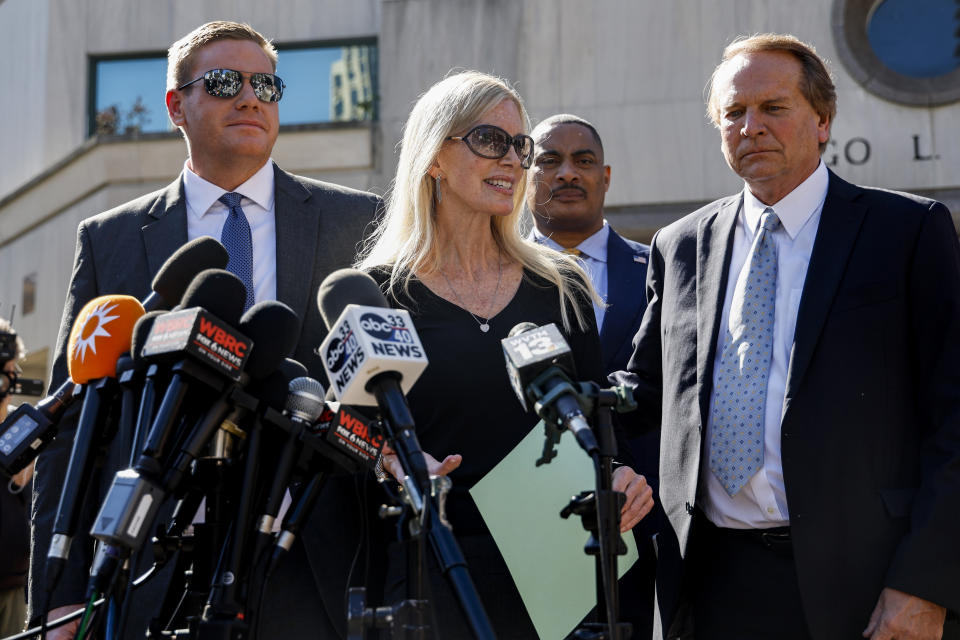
{"x":450,"y":250}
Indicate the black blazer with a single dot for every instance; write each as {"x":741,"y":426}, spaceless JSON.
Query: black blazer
{"x":318,"y":227}
{"x":871,"y":427}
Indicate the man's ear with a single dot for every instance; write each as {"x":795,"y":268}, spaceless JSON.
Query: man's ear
{"x":606,"y":177}
{"x":175,"y":108}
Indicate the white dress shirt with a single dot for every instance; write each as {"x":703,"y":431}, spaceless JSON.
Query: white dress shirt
{"x":762,"y":502}
{"x":206,"y":215}
{"x":593,"y":259}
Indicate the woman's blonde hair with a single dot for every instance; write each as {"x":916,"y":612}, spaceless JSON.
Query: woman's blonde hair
{"x":406,"y":237}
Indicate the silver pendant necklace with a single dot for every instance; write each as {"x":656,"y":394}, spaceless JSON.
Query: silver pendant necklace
{"x":485,"y":324}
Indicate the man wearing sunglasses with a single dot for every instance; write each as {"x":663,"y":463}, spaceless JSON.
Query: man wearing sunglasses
{"x":284,"y":233}
{"x":566,"y":190}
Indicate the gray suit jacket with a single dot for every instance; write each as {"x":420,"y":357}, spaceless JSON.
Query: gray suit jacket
{"x":870,"y":435}
{"x":318,"y":228}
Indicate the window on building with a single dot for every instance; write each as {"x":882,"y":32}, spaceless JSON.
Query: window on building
{"x":906,"y":51}
{"x":334,"y":82}
{"x":29,"y":294}
{"x":128,"y":96}
{"x":329,"y":83}
{"x":917,"y":38}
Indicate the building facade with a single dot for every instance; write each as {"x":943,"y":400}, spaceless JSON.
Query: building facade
{"x":84,"y":126}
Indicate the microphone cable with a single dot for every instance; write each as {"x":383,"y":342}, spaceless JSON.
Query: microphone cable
{"x":41,"y":630}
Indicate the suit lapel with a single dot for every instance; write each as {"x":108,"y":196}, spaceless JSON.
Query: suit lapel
{"x":625,"y":295}
{"x":166,"y":228}
{"x":839,"y":225}
{"x":297,"y":231}
{"x":714,"y":245}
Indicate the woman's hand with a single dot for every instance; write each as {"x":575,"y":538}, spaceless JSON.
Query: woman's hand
{"x":639,"y":500}
{"x":392,"y":465}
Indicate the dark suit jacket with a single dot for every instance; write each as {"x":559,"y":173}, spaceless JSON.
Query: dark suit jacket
{"x":318,"y":227}
{"x":871,"y":426}
{"x":626,"y":297}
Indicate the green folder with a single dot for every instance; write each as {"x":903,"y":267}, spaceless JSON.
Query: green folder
{"x":521,"y":504}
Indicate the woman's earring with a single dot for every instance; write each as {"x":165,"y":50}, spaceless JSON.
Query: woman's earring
{"x":439,"y":192}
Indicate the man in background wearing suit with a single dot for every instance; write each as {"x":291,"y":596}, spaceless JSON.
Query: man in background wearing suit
{"x":567,"y":186}
{"x":292,"y":232}
{"x":799,"y":355}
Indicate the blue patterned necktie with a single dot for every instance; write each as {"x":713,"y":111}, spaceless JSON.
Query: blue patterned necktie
{"x":736,"y":443}
{"x":238,"y":241}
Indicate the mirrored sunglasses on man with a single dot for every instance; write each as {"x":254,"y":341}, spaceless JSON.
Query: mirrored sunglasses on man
{"x":227,"y":83}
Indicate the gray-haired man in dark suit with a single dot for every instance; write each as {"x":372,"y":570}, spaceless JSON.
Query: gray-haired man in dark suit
{"x":799,"y":357}
{"x":299,"y":230}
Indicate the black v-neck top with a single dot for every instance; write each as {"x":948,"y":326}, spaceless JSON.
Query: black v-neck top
{"x":463,"y":402}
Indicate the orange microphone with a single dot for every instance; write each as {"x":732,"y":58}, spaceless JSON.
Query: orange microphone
{"x":101,"y":333}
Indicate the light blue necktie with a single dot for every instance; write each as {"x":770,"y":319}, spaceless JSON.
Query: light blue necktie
{"x":236,"y":238}
{"x":736,"y":443}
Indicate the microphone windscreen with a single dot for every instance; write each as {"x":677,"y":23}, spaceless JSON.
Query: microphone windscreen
{"x":522,"y":327}
{"x":141,"y":331}
{"x":101,"y":333}
{"x":347,"y":286}
{"x":219,"y":292}
{"x":274,"y":328}
{"x":186,"y":262}
{"x":273,"y":389}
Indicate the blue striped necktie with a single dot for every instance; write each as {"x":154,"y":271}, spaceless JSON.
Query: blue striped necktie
{"x":737,"y":440}
{"x":238,"y":241}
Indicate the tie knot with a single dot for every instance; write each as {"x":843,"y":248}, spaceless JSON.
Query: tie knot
{"x":231,"y":200}
{"x":573,"y":252}
{"x":769,"y":219}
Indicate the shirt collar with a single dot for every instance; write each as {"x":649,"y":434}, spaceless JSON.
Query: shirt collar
{"x":794,"y":209}
{"x":202,"y":194}
{"x":594,"y":247}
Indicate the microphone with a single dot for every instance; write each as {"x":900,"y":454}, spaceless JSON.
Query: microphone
{"x":28,"y":429}
{"x":539,"y":364}
{"x":199,"y":334}
{"x":180,"y":269}
{"x":148,"y":394}
{"x":275,"y":328}
{"x":273,"y":389}
{"x":350,"y":432}
{"x":303,"y":406}
{"x":368,"y":342}
{"x":130,"y":379}
{"x":373,"y":355}
{"x":99,"y":337}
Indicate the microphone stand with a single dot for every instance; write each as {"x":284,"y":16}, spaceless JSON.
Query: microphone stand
{"x":599,"y":510}
{"x":419,"y":495}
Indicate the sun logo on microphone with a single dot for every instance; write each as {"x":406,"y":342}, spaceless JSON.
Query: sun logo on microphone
{"x":93,"y":328}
